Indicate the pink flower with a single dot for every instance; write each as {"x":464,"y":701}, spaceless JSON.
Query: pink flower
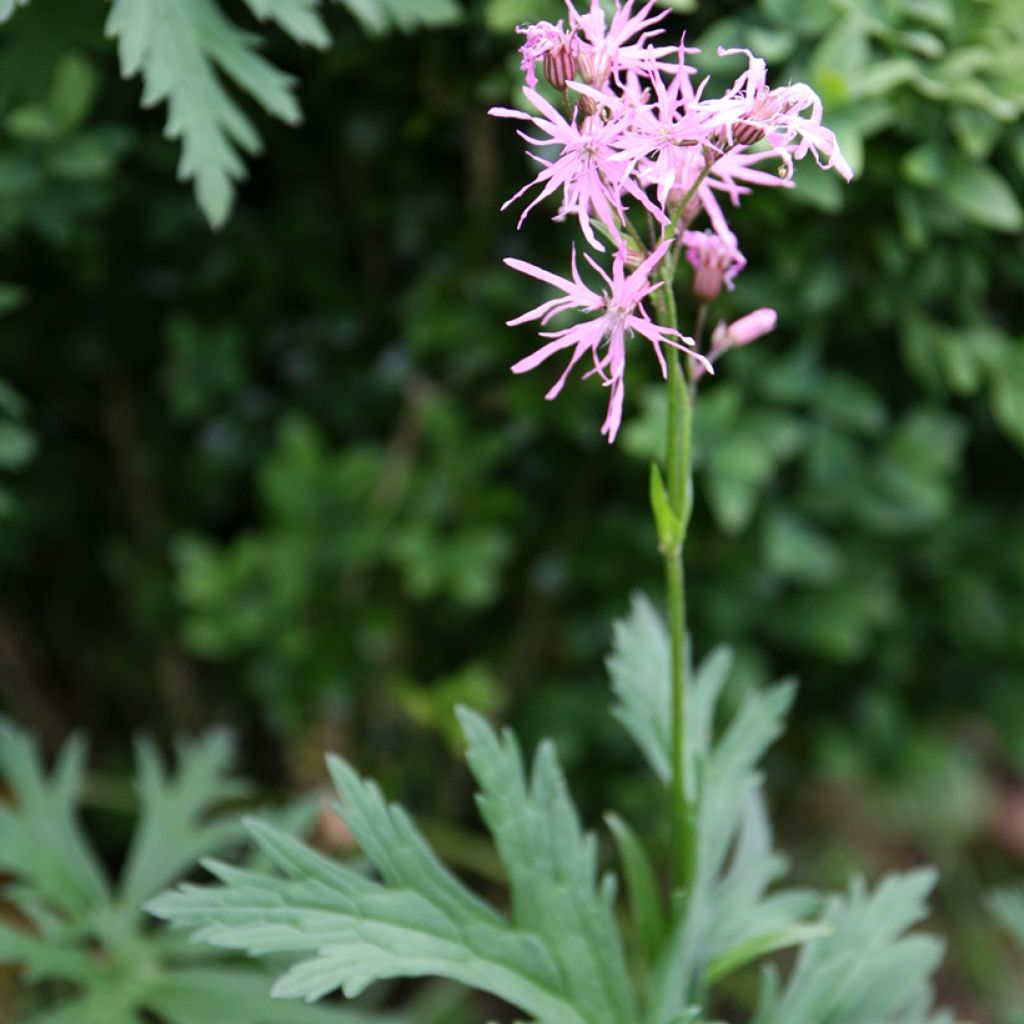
{"x":620,"y":313}
{"x":716,"y":260}
{"x":552,"y":45}
{"x":775,"y":115}
{"x":740,"y":332}
{"x":662,"y":127}
{"x":743,"y":331}
{"x":620,"y":46}
{"x":591,"y":182}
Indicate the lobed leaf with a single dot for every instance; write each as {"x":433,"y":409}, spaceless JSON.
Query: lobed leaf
{"x":41,"y":842}
{"x":174,"y":828}
{"x":639,"y":668}
{"x":301,"y":19}
{"x":213,"y":995}
{"x":868,"y":968}
{"x":729,"y":917}
{"x":85,"y":942}
{"x":552,"y":869}
{"x":184,"y":50}
{"x":346,"y":931}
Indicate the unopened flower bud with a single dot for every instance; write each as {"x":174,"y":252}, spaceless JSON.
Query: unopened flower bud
{"x":585,"y":66}
{"x":708,"y":281}
{"x":746,"y":133}
{"x":716,"y":260}
{"x":587,"y":104}
{"x":750,"y":327}
{"x":560,"y":64}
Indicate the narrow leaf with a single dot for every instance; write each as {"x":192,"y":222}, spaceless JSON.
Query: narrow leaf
{"x":668,"y":524}
{"x":644,"y":897}
{"x":761,"y":945}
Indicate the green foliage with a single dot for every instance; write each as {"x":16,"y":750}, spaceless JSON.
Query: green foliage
{"x":377,"y":16}
{"x":867,"y":969}
{"x":189,"y":52}
{"x":558,"y":956}
{"x":179,"y":48}
{"x":1007,"y":904}
{"x":269,"y":593}
{"x":83,"y":940}
{"x":163,"y":368}
{"x":17,"y":444}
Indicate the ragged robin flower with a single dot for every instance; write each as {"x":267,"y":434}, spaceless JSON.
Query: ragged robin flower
{"x":620,"y":312}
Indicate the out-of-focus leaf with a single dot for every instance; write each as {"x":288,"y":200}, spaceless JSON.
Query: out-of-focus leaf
{"x":379,"y":16}
{"x":1007,"y":905}
{"x":983,"y":195}
{"x":8,"y":7}
{"x":868,"y":968}
{"x":181,"y":48}
{"x":644,"y":897}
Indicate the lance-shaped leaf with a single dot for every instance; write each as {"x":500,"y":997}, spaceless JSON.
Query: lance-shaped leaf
{"x":644,"y":896}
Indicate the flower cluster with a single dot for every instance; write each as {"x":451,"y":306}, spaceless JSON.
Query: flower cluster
{"x":636,"y":153}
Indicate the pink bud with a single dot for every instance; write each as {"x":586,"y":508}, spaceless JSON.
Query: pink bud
{"x":751,"y":327}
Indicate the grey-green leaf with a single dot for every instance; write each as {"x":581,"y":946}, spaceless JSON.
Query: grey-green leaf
{"x":41,"y":841}
{"x":552,"y":869}
{"x":868,"y":968}
{"x":343,"y":930}
{"x":761,"y":945}
{"x":644,"y":897}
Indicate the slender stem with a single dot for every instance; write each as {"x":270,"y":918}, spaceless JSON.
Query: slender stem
{"x":677,"y":465}
{"x":683,"y":813}
{"x":682,"y":795}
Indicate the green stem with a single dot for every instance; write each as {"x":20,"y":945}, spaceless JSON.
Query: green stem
{"x":683,"y":814}
{"x":679,"y":491}
{"x":683,"y":809}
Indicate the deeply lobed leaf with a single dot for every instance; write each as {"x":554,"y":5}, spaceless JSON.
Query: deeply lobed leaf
{"x":347,"y":931}
{"x":84,"y":938}
{"x":184,"y":49}
{"x":868,"y":969}
{"x":41,"y":842}
{"x":552,"y":869}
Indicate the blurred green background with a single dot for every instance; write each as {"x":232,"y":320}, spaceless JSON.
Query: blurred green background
{"x":278,"y":475}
